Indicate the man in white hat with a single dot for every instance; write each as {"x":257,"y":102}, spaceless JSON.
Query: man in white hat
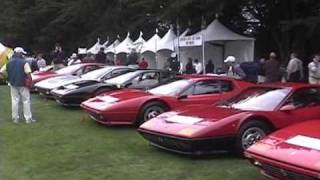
{"x":19,"y":76}
{"x":234,"y":69}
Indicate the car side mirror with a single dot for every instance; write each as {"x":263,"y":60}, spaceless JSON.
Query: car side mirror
{"x":182,"y":97}
{"x":288,"y":107}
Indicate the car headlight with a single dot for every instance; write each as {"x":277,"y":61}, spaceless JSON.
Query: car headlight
{"x":71,"y":86}
{"x":108,"y":99}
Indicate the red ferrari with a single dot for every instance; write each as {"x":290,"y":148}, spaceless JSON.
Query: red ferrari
{"x":76,"y":70}
{"x":236,"y":123}
{"x":290,"y":153}
{"x":128,"y":107}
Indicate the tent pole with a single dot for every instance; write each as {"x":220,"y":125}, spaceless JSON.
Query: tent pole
{"x":156,"y":49}
{"x":203,"y":46}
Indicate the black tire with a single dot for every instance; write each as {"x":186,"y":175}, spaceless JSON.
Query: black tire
{"x":150,"y":110}
{"x":249,"y":133}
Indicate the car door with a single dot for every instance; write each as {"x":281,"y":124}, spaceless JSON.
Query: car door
{"x":115,"y":73}
{"x":207,"y":91}
{"x":305,"y":105}
{"x":146,"y":80}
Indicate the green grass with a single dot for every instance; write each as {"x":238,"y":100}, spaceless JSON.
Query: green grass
{"x":65,"y":144}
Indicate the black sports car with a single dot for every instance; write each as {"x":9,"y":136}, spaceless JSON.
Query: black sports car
{"x":75,"y":93}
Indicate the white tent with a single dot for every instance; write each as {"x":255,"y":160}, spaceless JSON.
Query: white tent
{"x":220,"y":42}
{"x":167,"y":42}
{"x":105,"y":44}
{"x":125,"y":46}
{"x":95,"y":48}
{"x":138,"y":44}
{"x":149,"y":49}
{"x":111,"y":48}
{"x":151,"y":45}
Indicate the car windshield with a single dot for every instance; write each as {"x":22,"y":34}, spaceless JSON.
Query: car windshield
{"x":96,"y":74}
{"x":122,"y":78}
{"x":68,"y":70}
{"x":171,"y":89}
{"x":257,"y":99}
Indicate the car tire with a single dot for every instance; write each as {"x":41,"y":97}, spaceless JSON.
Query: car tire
{"x":249,"y":133}
{"x":150,"y":110}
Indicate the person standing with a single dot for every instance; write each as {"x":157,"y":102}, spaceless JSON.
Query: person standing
{"x":41,"y":63}
{"x":198,"y":66}
{"x":234,"y":69}
{"x":314,"y":70}
{"x":210,"y":67}
{"x":189,"y":67}
{"x":101,"y":57}
{"x":58,"y":57}
{"x":143,"y":64}
{"x":294,"y":69}
{"x":19,"y":76}
{"x":272,"y":69}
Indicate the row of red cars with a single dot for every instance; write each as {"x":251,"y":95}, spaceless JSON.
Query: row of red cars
{"x":207,"y":114}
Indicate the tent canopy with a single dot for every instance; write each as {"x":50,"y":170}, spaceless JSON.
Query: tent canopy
{"x":218,"y":32}
{"x":125,"y":46}
{"x":138,"y":44}
{"x":167,"y":42}
{"x":220,"y":42}
{"x":95,"y":48}
{"x":151,"y":44}
{"x":111,"y":48}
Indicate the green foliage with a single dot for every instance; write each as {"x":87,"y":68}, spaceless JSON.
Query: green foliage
{"x":38,"y":24}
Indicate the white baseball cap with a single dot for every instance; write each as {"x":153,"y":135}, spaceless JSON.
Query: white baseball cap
{"x":19,"y":50}
{"x":230,"y":59}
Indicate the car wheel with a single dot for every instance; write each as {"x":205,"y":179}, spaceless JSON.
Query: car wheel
{"x":150,"y":110}
{"x":249,"y":134}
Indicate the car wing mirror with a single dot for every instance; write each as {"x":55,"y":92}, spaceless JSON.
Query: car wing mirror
{"x":182,"y":97}
{"x":288,"y":107}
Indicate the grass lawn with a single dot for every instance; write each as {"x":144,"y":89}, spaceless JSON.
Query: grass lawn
{"x":65,"y":144}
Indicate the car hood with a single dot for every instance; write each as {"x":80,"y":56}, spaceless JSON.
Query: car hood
{"x":298,"y":145}
{"x":126,"y":94}
{"x":55,"y":82}
{"x":207,"y":112}
{"x":194,"y":122}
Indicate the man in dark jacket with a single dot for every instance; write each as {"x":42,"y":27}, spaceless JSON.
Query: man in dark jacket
{"x":272,"y":69}
{"x":101,"y":57}
{"x":19,"y":71}
{"x":58,"y":57}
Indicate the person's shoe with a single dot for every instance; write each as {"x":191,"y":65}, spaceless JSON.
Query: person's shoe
{"x":16,"y":121}
{"x":30,"y":121}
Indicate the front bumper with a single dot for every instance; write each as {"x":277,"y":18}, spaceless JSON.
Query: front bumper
{"x":44,"y":92}
{"x":68,"y":100}
{"x":279,"y":170}
{"x":192,"y":146}
{"x":109,"y":118}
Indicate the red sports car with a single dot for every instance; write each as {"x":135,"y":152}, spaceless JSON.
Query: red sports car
{"x":130,"y":106}
{"x":290,"y":153}
{"x":76,"y":70}
{"x":236,"y":123}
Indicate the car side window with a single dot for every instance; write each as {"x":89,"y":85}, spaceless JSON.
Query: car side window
{"x":305,"y":97}
{"x":226,"y":86}
{"x":146,"y":80}
{"x":189,"y":91}
{"x":207,"y":87}
{"x":89,"y":68}
{"x":118,"y":72}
